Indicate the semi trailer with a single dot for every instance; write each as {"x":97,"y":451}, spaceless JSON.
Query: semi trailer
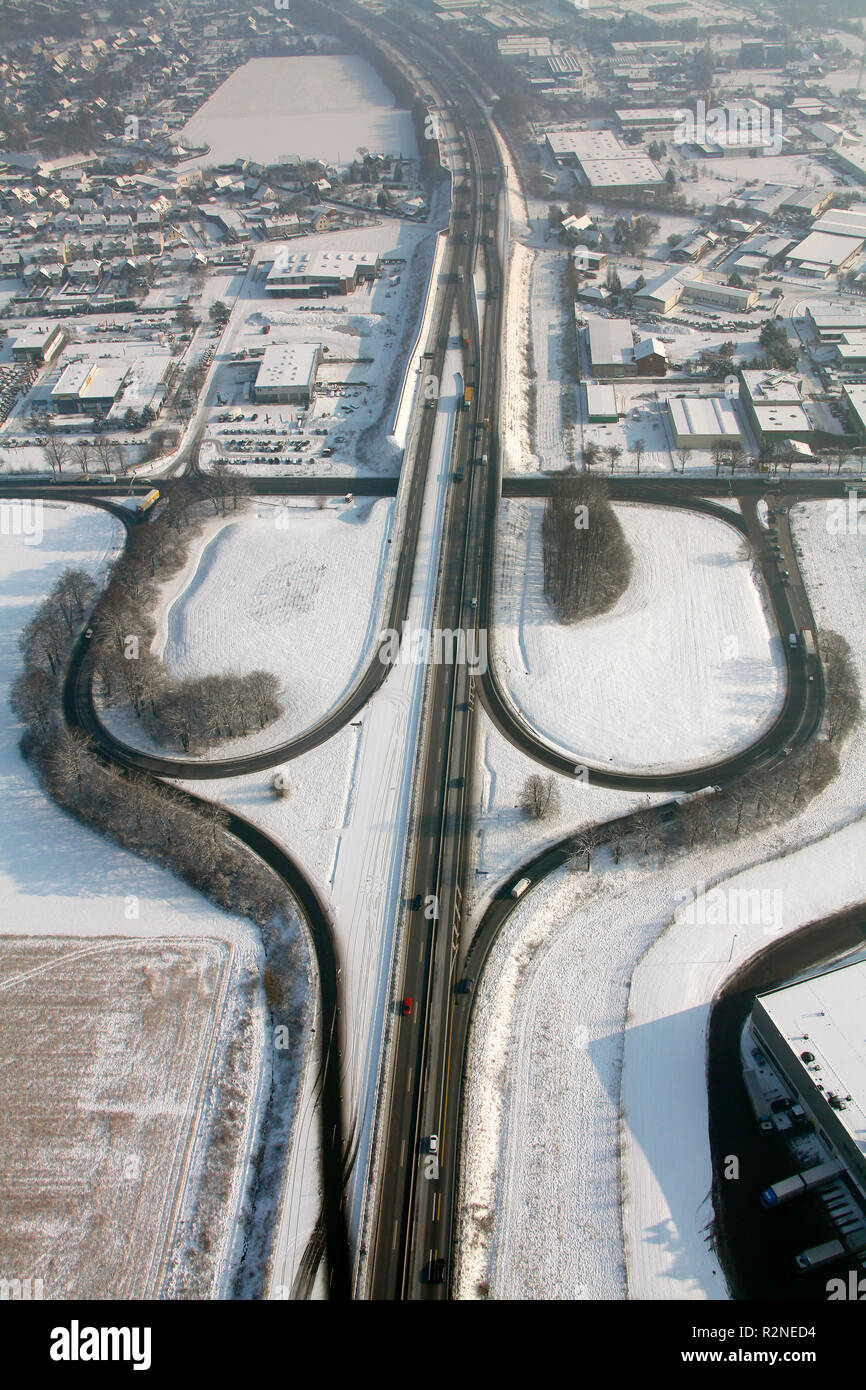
{"x":795,"y":1186}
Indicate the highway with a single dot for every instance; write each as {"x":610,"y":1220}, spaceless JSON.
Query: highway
{"x":415,"y":1190}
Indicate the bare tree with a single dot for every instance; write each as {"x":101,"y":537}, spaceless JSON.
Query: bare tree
{"x":57,"y":452}
{"x":540,"y":797}
{"x":70,"y":758}
{"x":32,"y":698}
{"x":638,"y":451}
{"x":585,"y":842}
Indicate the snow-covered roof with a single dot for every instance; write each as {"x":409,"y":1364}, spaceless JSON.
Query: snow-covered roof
{"x":824,"y":1016}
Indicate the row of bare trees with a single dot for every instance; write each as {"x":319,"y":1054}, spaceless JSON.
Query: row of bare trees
{"x":198,"y":712}
{"x":137,"y":812}
{"x":44,"y":644}
{"x":587,"y":562}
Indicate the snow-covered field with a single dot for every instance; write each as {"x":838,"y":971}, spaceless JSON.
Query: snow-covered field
{"x":317,"y":107}
{"x":684,"y":669}
{"x":290,"y":587}
{"x":126,"y":1119}
{"x":546,"y":1126}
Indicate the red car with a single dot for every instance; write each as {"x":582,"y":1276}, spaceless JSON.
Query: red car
{"x":407,"y":1004}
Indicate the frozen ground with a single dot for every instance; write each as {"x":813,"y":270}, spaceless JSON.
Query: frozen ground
{"x":316,"y":107}
{"x":144,"y":931}
{"x":682,"y":671}
{"x":290,"y":587}
{"x":542,"y":1185}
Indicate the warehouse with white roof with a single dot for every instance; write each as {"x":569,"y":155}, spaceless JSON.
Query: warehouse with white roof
{"x":699,"y":422}
{"x":287,"y":373}
{"x":814,"y":1035}
{"x":321,"y":273}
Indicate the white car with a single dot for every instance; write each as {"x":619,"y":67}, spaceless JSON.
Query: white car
{"x":433,"y":1144}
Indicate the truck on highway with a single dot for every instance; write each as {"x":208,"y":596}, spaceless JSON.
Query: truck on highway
{"x":795,"y":1186}
{"x":792,"y":639}
{"x":758,"y":1101}
{"x":809,"y":642}
{"x":520,"y":887}
{"x":819,"y":1255}
{"x":467,"y":397}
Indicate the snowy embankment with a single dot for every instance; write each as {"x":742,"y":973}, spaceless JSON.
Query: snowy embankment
{"x":542,"y":1178}
{"x":683,"y":670}
{"x":96,"y":907}
{"x":288,"y":586}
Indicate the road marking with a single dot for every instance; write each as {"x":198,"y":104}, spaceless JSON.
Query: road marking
{"x":409,"y":1080}
{"x":402,"y":1153}
{"x":394,"y":1241}
{"x":437,"y":1205}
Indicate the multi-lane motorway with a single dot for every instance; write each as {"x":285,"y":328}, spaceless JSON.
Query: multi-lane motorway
{"x":414,"y":1189}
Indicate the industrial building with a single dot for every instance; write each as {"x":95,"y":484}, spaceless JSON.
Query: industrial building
{"x":807,"y":202}
{"x":662,"y":294}
{"x":112,"y":385}
{"x":854,"y":398}
{"x":774,"y":406}
{"x":832,"y":324}
{"x":38,"y":343}
{"x":602,"y":403}
{"x":287,"y":373}
{"x":813,"y":1035}
{"x":821,"y":253}
{"x":611,"y":347}
{"x":602,"y":162}
{"x":739,"y":301}
{"x":649,"y":118}
{"x":321,"y":273}
{"x":699,"y":422}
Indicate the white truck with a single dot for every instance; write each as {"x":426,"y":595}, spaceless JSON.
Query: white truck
{"x":520,"y":887}
{"x":809,"y":642}
{"x":806,"y":1181}
{"x":819,"y":1255}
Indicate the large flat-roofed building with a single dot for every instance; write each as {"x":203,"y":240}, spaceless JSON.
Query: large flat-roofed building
{"x":843,"y":222}
{"x":820,"y":253}
{"x":649,"y":118}
{"x":832,"y":324}
{"x":602,"y":402}
{"x":699,"y":422}
{"x":813,"y":1033}
{"x":143,"y":387}
{"x":112,"y":385}
{"x":773,"y":403}
{"x":854,"y":398}
{"x":611,"y":347}
{"x":321,"y":272}
{"x":88,"y":386}
{"x":288,"y":373}
{"x":739,"y":301}
{"x":38,"y":343}
{"x":601,"y":161}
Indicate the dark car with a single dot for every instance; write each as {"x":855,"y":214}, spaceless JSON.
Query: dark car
{"x":415,"y":903}
{"x":437,"y":1271}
